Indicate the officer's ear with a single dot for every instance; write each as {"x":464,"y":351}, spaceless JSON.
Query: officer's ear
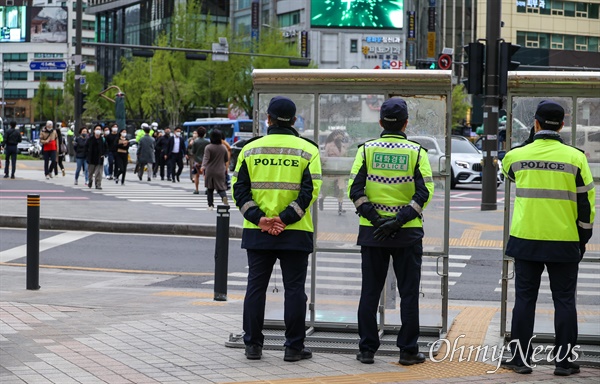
{"x":561,"y":127}
{"x":293,"y":120}
{"x":405,"y":125}
{"x":381,"y":123}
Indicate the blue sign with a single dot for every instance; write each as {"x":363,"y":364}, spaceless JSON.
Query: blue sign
{"x":47,"y":65}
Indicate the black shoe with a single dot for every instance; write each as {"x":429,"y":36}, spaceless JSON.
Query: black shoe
{"x":366,"y":357}
{"x":173,"y":180}
{"x":518,"y":368}
{"x":140,"y":177}
{"x":6,"y":176}
{"x":12,"y":176}
{"x":98,"y":187}
{"x":168,"y":179}
{"x":411,"y":358}
{"x":117,"y":181}
{"x":122,"y":182}
{"x":162,"y":179}
{"x":292,"y":354}
{"x":178,"y":179}
{"x":149,"y":179}
{"x":253,"y":352}
{"x":90,"y":184}
{"x":567,"y":371}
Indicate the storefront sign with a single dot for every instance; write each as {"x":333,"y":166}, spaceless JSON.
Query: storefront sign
{"x":412,"y":25}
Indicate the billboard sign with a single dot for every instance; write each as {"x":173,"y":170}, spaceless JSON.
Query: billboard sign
{"x":13,"y":24}
{"x":49,"y":24}
{"x":373,"y":14}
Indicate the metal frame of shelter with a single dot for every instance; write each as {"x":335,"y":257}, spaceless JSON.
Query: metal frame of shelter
{"x":566,"y":85}
{"x":342,"y":336}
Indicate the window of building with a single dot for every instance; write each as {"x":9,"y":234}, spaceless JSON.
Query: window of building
{"x":532,"y":40}
{"x":48,"y":55}
{"x":581,"y":10}
{"x":15,"y":93}
{"x":569,"y":42}
{"x":243,"y":4}
{"x":84,"y":6}
{"x":86,"y":25}
{"x":581,"y":43}
{"x":544,"y":39}
{"x":49,"y":76}
{"x":593,"y":42}
{"x":557,"y":42}
{"x":14,"y":56}
{"x":593,"y":11}
{"x":10,"y":75}
{"x":289,"y":19}
{"x":353,"y":46}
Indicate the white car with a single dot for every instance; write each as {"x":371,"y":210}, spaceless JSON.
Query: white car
{"x":466,"y":159}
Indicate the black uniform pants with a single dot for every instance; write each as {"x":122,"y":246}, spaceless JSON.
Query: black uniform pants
{"x":293,"y":269}
{"x":176,"y":159}
{"x":563,"y":283}
{"x":407,"y":267}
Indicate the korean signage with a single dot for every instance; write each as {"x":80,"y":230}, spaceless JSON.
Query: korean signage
{"x":382,"y":39}
{"x":304,"y":43}
{"x":431,"y":44}
{"x":531,"y":3}
{"x":431,"y":20}
{"x":412,"y":25}
{"x":255,"y":16}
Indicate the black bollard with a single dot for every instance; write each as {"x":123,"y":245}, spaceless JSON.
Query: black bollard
{"x":33,"y":242}
{"x":221,"y":253}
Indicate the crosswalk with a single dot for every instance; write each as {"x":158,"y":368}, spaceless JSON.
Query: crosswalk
{"x":340,"y":274}
{"x":588,"y":283}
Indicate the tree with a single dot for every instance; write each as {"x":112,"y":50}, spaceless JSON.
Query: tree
{"x":45,"y":101}
{"x":460,"y":105}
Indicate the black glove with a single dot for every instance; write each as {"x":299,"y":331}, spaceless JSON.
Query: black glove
{"x":387,"y":228}
{"x":584,"y":236}
{"x":379,"y":221}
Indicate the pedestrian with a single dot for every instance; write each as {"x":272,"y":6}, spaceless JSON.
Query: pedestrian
{"x":145,"y":153}
{"x":334,"y":147}
{"x":190,"y":155}
{"x":11,"y":141}
{"x":276,"y":180}
{"x":390,"y":184}
{"x":213,"y":168}
{"x":105,"y":165}
{"x":121,"y":156}
{"x":198,"y":148}
{"x":95,"y":151}
{"x":552,"y":222}
{"x":165,"y":155}
{"x":175,"y":154}
{"x":80,"y":156}
{"x":48,"y":138}
{"x":61,"y":152}
{"x":111,"y":141}
{"x":228,"y":147}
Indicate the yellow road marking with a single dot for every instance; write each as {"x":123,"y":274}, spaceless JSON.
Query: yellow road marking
{"x":141,"y":271}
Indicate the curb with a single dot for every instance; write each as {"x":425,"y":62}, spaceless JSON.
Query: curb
{"x":120,"y":227}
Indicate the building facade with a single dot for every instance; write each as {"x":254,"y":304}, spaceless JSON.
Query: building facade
{"x":36,"y":32}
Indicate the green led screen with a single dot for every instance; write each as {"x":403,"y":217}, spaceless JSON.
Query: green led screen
{"x":378,"y":14}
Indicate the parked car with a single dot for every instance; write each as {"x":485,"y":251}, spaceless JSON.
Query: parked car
{"x":35,"y":150}
{"x":23,"y":146}
{"x":466,"y":159}
{"x":236,"y":148}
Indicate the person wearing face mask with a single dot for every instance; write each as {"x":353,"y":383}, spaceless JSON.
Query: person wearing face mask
{"x":95,"y":150}
{"x":145,"y":153}
{"x":79,"y":147}
{"x":107,"y":174}
{"x":175,"y":153}
{"x":164,"y":154}
{"x":48,"y":138}
{"x":111,"y":142}
{"x":189,"y":155}
{"x":121,"y":157}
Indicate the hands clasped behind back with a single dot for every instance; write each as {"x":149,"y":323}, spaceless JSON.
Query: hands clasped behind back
{"x":273,"y":225}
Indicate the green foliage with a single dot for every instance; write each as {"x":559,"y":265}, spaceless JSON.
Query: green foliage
{"x":460,"y":105}
{"x":46,"y":102}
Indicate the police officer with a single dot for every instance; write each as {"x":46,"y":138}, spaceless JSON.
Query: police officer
{"x":551,"y":224}
{"x":276,"y":180}
{"x":390,"y":184}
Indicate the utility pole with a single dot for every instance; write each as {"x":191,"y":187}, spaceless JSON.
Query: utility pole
{"x":77,"y":61}
{"x":3,"y":80}
{"x":490,"y":109}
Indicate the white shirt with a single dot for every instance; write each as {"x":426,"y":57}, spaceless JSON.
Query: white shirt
{"x":176,"y":145}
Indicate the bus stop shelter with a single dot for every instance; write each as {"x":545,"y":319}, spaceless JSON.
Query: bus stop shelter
{"x":344,"y":105}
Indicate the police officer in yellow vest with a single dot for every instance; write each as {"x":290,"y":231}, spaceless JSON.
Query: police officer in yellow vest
{"x":276,"y":180}
{"x":551,"y":224}
{"x":390,"y":184}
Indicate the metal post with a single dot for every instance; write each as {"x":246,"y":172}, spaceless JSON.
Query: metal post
{"x":78,"y":27}
{"x":221,"y":253}
{"x":490,"y":110}
{"x":33,"y":242}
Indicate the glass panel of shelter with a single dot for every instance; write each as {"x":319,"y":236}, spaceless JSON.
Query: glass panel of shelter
{"x":345,"y":122}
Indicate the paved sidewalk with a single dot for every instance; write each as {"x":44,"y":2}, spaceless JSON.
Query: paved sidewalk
{"x":101,"y":327}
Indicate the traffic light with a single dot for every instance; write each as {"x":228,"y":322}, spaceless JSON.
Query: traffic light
{"x":82,"y":101}
{"x":426,"y":64}
{"x":142,"y":53}
{"x":195,"y":56}
{"x":299,"y":62}
{"x":475,"y":68}
{"x":505,"y":64}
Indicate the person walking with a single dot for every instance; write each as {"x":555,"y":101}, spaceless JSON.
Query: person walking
{"x":121,"y":156}
{"x":214,"y":167}
{"x":189,"y":156}
{"x":48,"y":140}
{"x":61,"y":152}
{"x":198,"y":148}
{"x":111,"y":141}
{"x":159,"y":154}
{"x":552,"y":222}
{"x":79,"y":145}
{"x":390,"y":184}
{"x":276,"y":180}
{"x":145,"y":153}
{"x":95,"y":150}
{"x":334,"y":147}
{"x":175,"y":154}
{"x":11,"y":141}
